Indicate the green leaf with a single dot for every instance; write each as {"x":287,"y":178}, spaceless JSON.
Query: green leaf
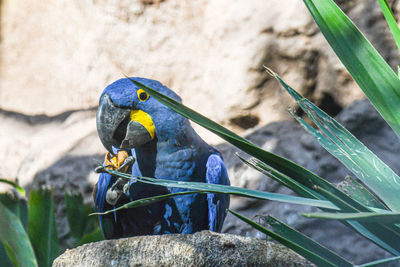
{"x":5,"y":255}
{"x":76,"y":214}
{"x":356,"y":226}
{"x":84,"y":229}
{"x":372,"y":217}
{"x":292,"y":234}
{"x":19,"y":189}
{"x":147,"y":201}
{"x":15,"y":240}
{"x":17,"y":205}
{"x":281,"y":178}
{"x":42,"y":226}
{"x":92,"y":222}
{"x":378,"y":262}
{"x":366,"y":66}
{"x":350,"y":151}
{"x":94,"y":236}
{"x":286,"y":167}
{"x":298,"y":242}
{"x":337,"y":140}
{"x":282,"y":165}
{"x":357,"y":191}
{"x":377,"y":235}
{"x":225,"y":189}
{"x":391,"y":21}
{"x":385,"y":236}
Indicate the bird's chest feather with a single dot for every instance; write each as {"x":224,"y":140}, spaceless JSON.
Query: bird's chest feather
{"x":177,"y":163}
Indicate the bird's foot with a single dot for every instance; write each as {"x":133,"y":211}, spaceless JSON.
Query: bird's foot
{"x":120,"y":162}
{"x":127,"y":163}
{"x":121,"y":186}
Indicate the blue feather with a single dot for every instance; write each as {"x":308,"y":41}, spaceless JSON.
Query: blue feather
{"x":102,"y":186}
{"x":217,"y":203}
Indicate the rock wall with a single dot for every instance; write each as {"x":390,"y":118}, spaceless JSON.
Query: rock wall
{"x":57,"y":56}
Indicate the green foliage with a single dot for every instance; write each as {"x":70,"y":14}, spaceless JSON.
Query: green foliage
{"x":42,"y":226}
{"x":17,"y":187}
{"x":394,"y":28}
{"x":352,"y":153}
{"x":28,"y":230}
{"x":389,"y":218}
{"x":300,"y":243}
{"x":379,"y":262}
{"x":371,"y":211}
{"x":303,"y":182}
{"x":352,"y":187}
{"x":83,"y":228}
{"x":371,"y":72}
{"x":218,"y":188}
{"x":75,"y":214}
{"x":15,"y":247}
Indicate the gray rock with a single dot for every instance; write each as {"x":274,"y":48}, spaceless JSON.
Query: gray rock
{"x":200,"y":249}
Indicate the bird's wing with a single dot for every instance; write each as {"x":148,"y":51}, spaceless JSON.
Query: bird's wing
{"x":217,"y":203}
{"x":107,"y":222}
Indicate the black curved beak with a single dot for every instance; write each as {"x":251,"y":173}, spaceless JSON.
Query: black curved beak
{"x":117,"y":127}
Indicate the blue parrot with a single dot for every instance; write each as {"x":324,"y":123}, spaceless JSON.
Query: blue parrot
{"x":131,"y":124}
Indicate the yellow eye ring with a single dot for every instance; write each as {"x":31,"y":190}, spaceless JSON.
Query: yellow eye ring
{"x":142,"y":95}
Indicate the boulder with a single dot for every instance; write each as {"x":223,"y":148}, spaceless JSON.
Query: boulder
{"x":200,"y":249}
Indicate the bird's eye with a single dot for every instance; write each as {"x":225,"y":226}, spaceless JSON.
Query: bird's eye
{"x":142,"y":95}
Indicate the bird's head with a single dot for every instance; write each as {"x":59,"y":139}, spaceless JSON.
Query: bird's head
{"x":128,"y":117}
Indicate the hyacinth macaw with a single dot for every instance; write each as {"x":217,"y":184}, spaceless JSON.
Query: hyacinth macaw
{"x":164,"y":145}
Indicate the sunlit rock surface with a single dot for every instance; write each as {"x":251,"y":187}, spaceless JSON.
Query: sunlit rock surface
{"x":200,"y":249}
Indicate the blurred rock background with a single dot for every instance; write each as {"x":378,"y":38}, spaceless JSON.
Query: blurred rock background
{"x":57,"y":56}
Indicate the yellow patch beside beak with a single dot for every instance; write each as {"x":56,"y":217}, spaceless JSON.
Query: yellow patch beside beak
{"x":144,"y":119}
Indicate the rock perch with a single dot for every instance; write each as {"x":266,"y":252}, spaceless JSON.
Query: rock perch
{"x":200,"y":249}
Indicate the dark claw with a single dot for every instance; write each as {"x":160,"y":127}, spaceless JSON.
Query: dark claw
{"x":127,"y":162}
{"x":100,"y":169}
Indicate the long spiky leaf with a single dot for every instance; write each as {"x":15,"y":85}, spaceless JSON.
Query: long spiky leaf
{"x":350,"y":151}
{"x":299,"y":243}
{"x":364,"y":63}
{"x":292,"y":170}
{"x":391,"y":21}
{"x":282,"y":165}
{"x":225,"y":189}
{"x":147,"y":201}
